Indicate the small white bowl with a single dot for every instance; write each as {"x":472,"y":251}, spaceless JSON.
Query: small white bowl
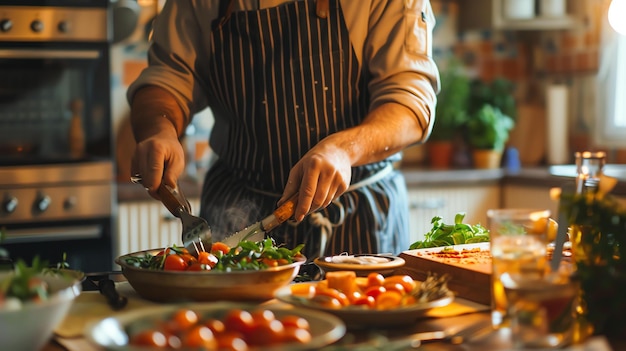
{"x":30,"y":326}
{"x":382,"y":264}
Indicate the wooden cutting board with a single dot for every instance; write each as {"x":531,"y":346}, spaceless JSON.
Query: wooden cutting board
{"x":470,"y":277}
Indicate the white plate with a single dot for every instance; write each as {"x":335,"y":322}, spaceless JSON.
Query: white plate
{"x":392,"y":262}
{"x":357,"y":317}
{"x":110,"y":333}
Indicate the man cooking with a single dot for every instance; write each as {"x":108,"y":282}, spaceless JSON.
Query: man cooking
{"x":314,"y":97}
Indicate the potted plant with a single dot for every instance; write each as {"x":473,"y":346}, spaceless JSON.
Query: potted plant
{"x":450,"y":114}
{"x":491,"y":119}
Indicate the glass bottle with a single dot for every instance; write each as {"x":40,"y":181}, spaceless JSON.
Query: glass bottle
{"x":584,"y":236}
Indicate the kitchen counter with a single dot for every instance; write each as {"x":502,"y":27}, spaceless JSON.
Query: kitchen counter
{"x":415,"y":177}
{"x":91,"y":307}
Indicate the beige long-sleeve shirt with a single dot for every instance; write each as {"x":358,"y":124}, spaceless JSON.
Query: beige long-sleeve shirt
{"x":391,"y":38}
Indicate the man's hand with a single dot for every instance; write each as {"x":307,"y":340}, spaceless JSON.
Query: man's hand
{"x":159,"y":158}
{"x":321,"y":175}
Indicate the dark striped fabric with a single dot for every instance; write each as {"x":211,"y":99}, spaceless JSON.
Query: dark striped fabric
{"x":281,"y":80}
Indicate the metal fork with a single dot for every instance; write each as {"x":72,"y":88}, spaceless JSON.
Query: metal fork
{"x":196,"y":231}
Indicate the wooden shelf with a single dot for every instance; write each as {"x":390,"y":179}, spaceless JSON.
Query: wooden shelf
{"x":487,"y":14}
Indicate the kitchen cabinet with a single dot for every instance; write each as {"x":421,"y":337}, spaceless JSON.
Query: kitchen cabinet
{"x":144,"y":225}
{"x":488,"y":14}
{"x":445,"y":201}
{"x":518,"y":196}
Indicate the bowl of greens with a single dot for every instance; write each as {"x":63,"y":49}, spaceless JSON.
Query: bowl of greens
{"x":33,"y":302}
{"x":250,"y":271}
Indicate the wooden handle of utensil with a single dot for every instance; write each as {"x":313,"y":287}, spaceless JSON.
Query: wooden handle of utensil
{"x":286,"y":210}
{"x":172,"y":199}
{"x":281,"y":214}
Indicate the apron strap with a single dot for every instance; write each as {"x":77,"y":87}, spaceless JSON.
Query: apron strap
{"x":224,"y":12}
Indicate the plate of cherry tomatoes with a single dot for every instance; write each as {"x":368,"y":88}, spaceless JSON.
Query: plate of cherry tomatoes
{"x":250,"y":271}
{"x":372,"y":301}
{"x":216,"y":326}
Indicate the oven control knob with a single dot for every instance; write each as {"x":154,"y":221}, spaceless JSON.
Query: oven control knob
{"x":10,"y":204}
{"x":70,"y":202}
{"x":6,"y":25}
{"x":42,"y":203}
{"x":36,"y":26}
{"x":63,"y":26}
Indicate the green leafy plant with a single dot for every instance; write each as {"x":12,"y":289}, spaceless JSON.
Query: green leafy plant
{"x":497,"y":93}
{"x":489,"y":128}
{"x":492,"y":114}
{"x":442,"y":234}
{"x":598,"y":229}
{"x":452,"y":102}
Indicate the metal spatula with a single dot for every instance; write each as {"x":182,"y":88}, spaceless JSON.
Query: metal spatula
{"x":196,"y":232}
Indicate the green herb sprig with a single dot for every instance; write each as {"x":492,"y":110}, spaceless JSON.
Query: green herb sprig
{"x":443,"y":234}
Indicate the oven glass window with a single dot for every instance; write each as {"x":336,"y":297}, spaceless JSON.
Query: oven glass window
{"x":54,"y":103}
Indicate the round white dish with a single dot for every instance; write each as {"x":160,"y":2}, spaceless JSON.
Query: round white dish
{"x":387,"y":265}
{"x":356,"y":317}
{"x":110,"y":333}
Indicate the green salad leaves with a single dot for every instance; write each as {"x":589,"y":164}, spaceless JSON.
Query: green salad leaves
{"x":443,"y":234}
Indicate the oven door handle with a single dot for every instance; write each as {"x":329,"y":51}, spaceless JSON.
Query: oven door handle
{"x":52,"y":234}
{"x":48,"y":54}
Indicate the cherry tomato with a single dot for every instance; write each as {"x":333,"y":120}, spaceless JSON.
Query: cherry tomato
{"x":149,"y":338}
{"x":304,"y":289}
{"x":375,"y":279}
{"x":282,"y":261}
{"x":262,"y":316}
{"x":327,"y":301}
{"x":295,"y":321}
{"x":365,"y":300}
{"x":238,"y":321}
{"x":207,"y":258}
{"x":231,"y":341}
{"x":185,"y":318}
{"x":197,"y":266}
{"x":296,"y":335}
{"x":354,"y":296}
{"x":200,"y":336}
{"x":220,"y":246}
{"x":270,"y":262}
{"x":175,"y":263}
{"x":216,"y":326}
{"x":389,"y":300}
{"x":188,"y":258}
{"x":405,"y":280}
{"x":267,"y":333}
{"x":391,"y":286}
{"x":375,"y":291}
{"x":334,"y":293}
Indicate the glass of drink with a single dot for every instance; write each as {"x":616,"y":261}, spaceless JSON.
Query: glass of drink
{"x":541,"y":310}
{"x":518,"y":246}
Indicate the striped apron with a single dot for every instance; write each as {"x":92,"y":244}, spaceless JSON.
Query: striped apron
{"x":281,"y":79}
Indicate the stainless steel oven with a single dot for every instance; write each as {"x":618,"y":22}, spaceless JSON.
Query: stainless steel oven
{"x":57,"y":189}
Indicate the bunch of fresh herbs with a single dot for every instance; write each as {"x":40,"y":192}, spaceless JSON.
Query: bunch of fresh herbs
{"x":442,"y":234}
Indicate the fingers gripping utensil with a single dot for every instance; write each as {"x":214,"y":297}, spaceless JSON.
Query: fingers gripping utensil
{"x":256,"y":231}
{"x":196,"y":231}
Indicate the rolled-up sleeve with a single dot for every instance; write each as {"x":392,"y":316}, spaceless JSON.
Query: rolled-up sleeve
{"x":395,"y":39}
{"x":177,"y":55}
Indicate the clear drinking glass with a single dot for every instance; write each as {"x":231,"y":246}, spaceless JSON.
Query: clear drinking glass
{"x":542,"y":311}
{"x":518,"y":247}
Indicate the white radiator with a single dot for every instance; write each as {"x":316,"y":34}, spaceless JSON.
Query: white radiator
{"x":147,"y":225}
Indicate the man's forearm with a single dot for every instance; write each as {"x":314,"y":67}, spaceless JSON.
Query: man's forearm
{"x":151,"y":109}
{"x":387,"y":130}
